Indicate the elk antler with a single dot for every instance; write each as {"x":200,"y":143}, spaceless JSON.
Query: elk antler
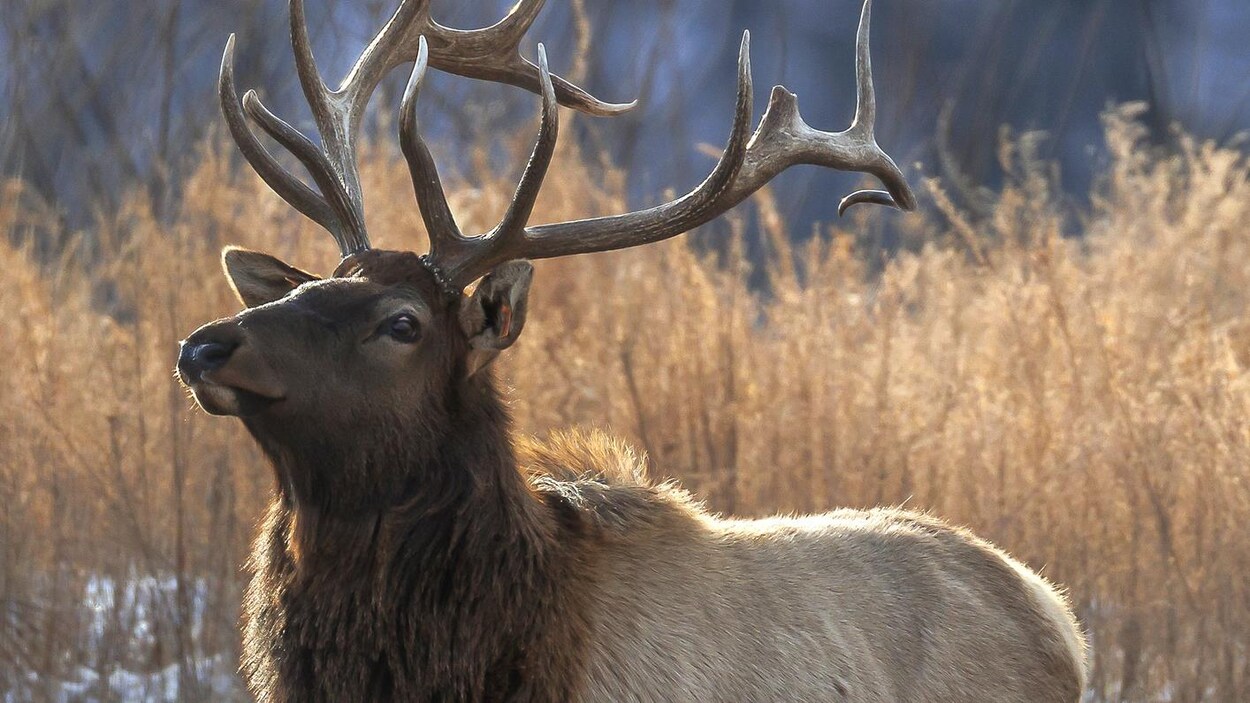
{"x":782,"y":140}
{"x":490,"y":53}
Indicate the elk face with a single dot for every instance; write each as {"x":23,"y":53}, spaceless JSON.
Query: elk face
{"x":382,"y":337}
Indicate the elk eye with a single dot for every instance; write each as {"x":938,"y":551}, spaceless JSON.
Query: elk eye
{"x":403,"y":328}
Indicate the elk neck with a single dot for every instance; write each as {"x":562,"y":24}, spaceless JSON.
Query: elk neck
{"x":448,"y":591}
{"x":438,"y":479}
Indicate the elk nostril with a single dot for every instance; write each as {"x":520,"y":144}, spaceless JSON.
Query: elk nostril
{"x":213,"y":355}
{"x":201,"y":357}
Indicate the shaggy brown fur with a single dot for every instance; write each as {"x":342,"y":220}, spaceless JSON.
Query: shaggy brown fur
{"x":458,"y":591}
{"x":415,"y":550}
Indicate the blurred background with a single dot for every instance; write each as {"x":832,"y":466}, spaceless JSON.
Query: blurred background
{"x":1054,"y":352}
{"x":103,"y":95}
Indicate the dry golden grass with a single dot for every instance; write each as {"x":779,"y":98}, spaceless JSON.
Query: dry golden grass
{"x":1082,"y":402}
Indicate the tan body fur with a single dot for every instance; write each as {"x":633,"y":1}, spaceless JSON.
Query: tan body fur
{"x":866,"y":606}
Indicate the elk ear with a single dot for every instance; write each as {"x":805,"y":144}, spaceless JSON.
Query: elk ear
{"x":260,"y":278}
{"x":492,"y":317}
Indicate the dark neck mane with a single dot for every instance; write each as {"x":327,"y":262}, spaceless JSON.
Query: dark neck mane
{"x":447,"y":590}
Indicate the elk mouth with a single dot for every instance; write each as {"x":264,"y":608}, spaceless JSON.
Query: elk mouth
{"x":224,"y":399}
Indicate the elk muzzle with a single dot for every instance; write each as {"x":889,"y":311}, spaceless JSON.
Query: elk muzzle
{"x":226,"y":372}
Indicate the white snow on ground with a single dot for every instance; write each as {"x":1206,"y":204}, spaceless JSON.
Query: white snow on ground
{"x":123,"y":621}
{"x":216,"y":676}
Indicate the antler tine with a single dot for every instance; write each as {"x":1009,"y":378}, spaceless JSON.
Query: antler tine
{"x":337,"y":114}
{"x":527,"y":190}
{"x":493,"y":54}
{"x":444,"y":234}
{"x":287,"y":186}
{"x":350,"y":233}
{"x":782,"y":140}
{"x":865,"y":93}
{"x":900,"y":194}
{"x":510,"y":232}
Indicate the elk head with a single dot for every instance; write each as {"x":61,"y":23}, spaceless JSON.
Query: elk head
{"x":391,"y":341}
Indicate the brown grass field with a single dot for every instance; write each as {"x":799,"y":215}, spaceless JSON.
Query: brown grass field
{"x":1081,"y":401}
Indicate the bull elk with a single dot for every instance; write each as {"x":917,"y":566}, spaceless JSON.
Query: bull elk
{"x":416,"y":550}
